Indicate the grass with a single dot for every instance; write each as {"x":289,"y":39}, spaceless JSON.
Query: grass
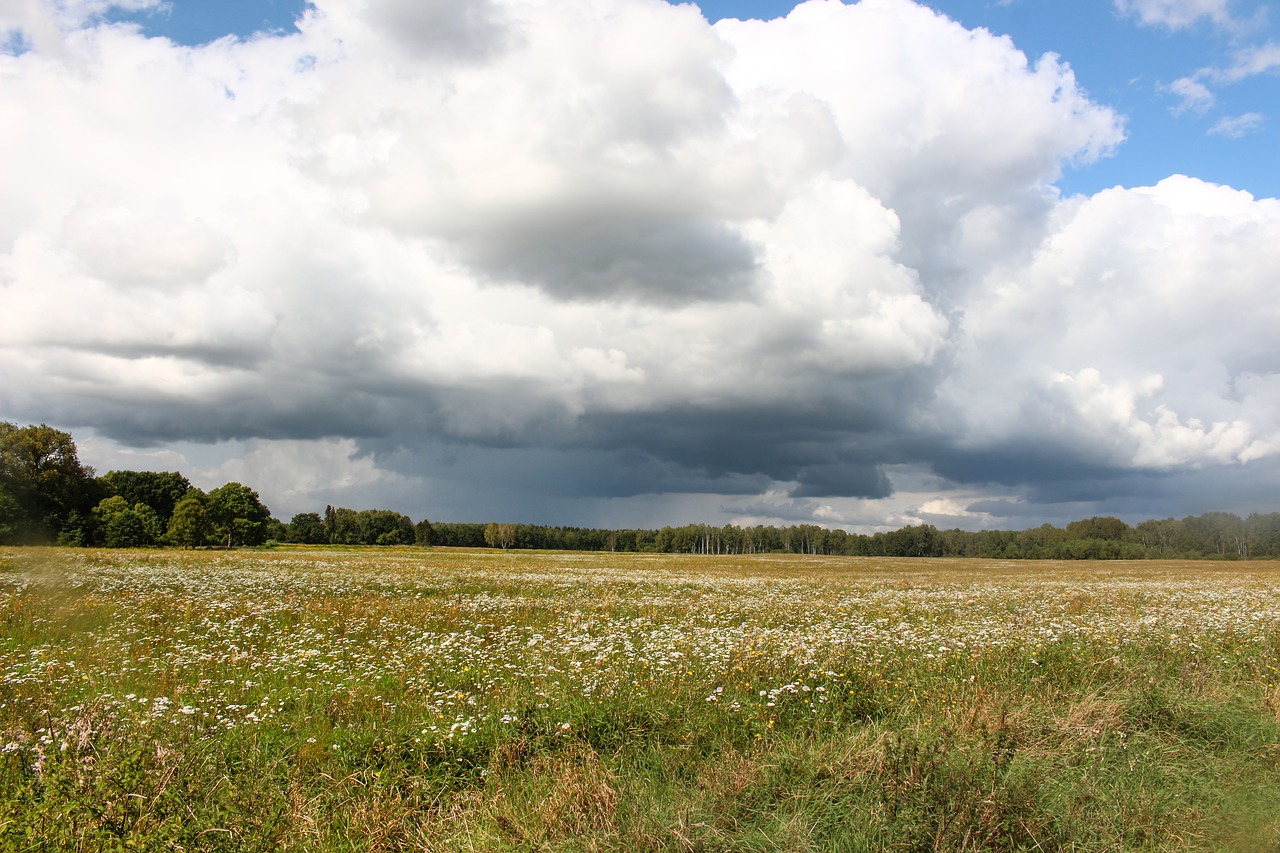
{"x":403,"y":699}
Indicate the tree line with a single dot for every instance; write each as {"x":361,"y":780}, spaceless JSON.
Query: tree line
{"x":47,"y":496}
{"x":1216,"y":535}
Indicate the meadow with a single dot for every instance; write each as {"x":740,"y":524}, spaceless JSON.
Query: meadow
{"x":473,"y":700}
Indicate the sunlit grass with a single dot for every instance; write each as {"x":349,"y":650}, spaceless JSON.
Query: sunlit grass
{"x":458,"y":700}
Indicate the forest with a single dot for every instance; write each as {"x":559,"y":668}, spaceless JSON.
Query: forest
{"x":47,"y":496}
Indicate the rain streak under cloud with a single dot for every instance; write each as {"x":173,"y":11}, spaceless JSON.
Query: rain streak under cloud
{"x":602,"y":262}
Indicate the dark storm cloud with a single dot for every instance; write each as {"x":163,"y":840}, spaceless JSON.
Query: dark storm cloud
{"x":673,"y":260}
{"x":570,"y":473}
{"x":780,"y":443}
{"x":786,"y":510}
{"x":1006,"y":508}
{"x":154,"y":420}
{"x":1050,"y":464}
{"x":842,"y":479}
{"x":1133,"y":496}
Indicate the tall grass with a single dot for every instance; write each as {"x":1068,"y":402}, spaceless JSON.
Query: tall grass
{"x":459,"y":701}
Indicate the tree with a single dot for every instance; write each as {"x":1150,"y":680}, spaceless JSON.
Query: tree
{"x":1099,"y":527}
{"x":117,"y":525}
{"x":307,"y":528}
{"x":499,"y":535}
{"x":344,"y":526}
{"x":1157,"y":537}
{"x":160,"y":490}
{"x":10,"y":515}
{"x":76,"y":532}
{"x":275,"y":530}
{"x":189,"y":524}
{"x":386,"y":527}
{"x":125,"y":530}
{"x":1264,"y":534}
{"x":237,"y":515}
{"x":330,"y":523}
{"x":422,"y":532}
{"x":102,"y":516}
{"x":152,"y":524}
{"x":41,"y":472}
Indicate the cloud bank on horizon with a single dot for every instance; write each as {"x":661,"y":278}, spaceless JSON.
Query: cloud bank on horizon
{"x":602,"y":262}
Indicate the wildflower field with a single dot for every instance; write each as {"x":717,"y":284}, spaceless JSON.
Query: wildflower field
{"x":451,"y":700}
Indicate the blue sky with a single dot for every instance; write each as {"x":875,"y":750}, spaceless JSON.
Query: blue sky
{"x":1117,"y":58}
{"x":604,"y":263}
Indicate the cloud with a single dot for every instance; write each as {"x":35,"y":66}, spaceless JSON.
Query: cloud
{"x":1247,"y":61}
{"x":435,"y":27}
{"x":1110,"y":351}
{"x":1177,"y":14}
{"x":1196,"y":97}
{"x":581,"y":259}
{"x":304,"y":476}
{"x":1235,"y":127}
{"x":1250,"y":62}
{"x":669,"y":260}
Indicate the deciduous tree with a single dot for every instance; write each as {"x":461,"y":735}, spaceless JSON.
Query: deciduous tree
{"x":40,"y":470}
{"x":189,"y":525}
{"x":237,"y":515}
{"x":307,"y":528}
{"x":499,"y":535}
{"x":160,"y":490}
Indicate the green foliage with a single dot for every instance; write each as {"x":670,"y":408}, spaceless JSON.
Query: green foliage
{"x":458,"y":534}
{"x":117,"y":525}
{"x":345,"y":526}
{"x":190,"y":526}
{"x":42,"y":475}
{"x":10,"y":515}
{"x":125,"y":530}
{"x":109,"y":508}
{"x":307,"y":528}
{"x":237,"y":516}
{"x":1106,"y":528}
{"x":153,"y":526}
{"x":275,"y":530}
{"x":159,"y":490}
{"x":77,"y":531}
{"x":386,"y":527}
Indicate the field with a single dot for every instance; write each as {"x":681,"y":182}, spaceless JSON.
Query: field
{"x":404,"y":699}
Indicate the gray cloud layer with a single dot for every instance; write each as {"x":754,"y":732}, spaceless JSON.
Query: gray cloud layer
{"x":602,"y":262}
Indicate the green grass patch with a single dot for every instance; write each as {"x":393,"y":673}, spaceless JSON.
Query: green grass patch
{"x":455,"y":701}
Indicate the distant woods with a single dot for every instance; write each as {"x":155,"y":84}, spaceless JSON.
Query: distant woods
{"x":1215,"y":535}
{"x":48,"y":497}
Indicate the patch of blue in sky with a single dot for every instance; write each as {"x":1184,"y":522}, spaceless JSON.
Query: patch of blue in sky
{"x":193,"y":22}
{"x":13,"y":43}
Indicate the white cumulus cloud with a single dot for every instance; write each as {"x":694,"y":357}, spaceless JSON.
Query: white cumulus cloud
{"x":604,"y":249}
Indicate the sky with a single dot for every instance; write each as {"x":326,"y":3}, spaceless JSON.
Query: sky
{"x":626,"y":263}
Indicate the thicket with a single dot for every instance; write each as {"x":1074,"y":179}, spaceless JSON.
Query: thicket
{"x":47,"y":496}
